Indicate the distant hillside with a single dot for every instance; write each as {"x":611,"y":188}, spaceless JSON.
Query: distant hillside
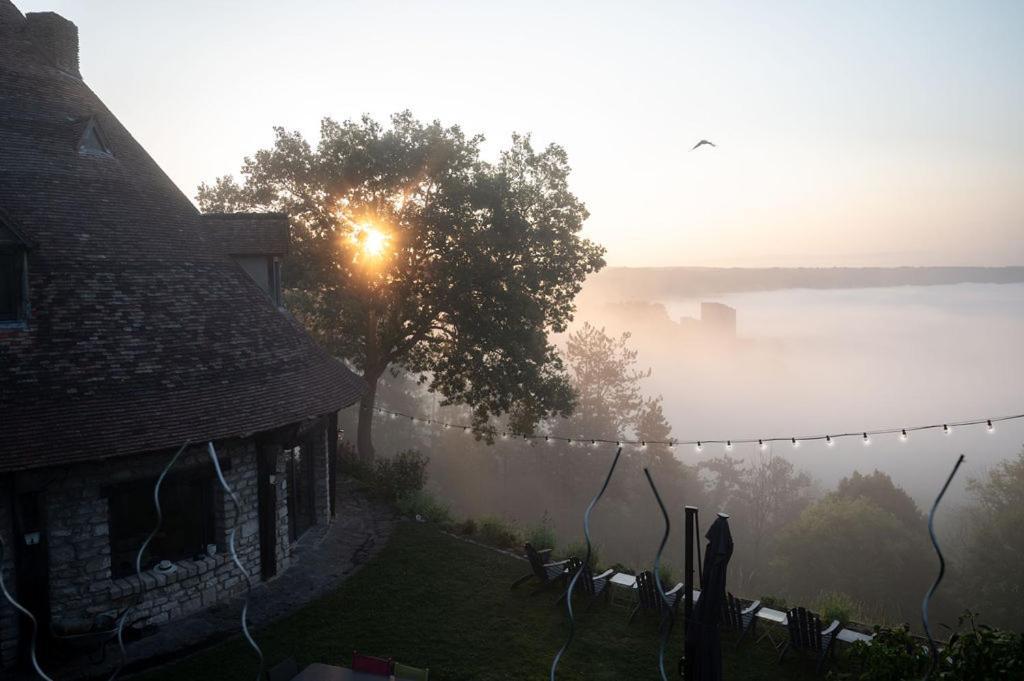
{"x":660,"y":283}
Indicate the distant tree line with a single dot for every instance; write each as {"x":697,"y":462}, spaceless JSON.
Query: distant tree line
{"x":864,"y":541}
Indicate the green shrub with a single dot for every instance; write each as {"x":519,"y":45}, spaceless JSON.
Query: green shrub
{"x":541,"y":535}
{"x":499,"y":532}
{"x":404,"y":474}
{"x":425,"y":505}
{"x":833,"y":605}
{"x":667,"y":575}
{"x":466,"y":527}
{"x":578,"y":549}
{"x":774,"y":602}
{"x":983,"y":652}
{"x":893,"y":655}
{"x":352,"y":465}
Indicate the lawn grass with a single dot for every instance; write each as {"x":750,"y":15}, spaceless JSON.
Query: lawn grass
{"x":431,"y":600}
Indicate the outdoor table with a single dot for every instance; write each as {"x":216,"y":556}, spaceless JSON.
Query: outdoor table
{"x":850,"y":636}
{"x":623,"y":587}
{"x":775,"y":617}
{"x":326,"y":672}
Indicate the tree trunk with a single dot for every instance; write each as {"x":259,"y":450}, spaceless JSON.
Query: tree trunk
{"x":364,"y":432}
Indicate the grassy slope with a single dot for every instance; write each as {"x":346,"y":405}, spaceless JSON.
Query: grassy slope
{"x":431,"y":600}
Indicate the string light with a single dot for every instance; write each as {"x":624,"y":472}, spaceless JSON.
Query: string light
{"x":763,"y":442}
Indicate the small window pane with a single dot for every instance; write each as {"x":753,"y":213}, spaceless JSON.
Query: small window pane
{"x":11,"y":293}
{"x":187,"y":528}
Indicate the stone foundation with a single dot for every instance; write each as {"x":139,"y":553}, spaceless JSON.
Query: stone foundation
{"x":8,"y":615}
{"x":83,"y":591}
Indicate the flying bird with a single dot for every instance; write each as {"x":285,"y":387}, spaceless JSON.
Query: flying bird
{"x":702,"y":143}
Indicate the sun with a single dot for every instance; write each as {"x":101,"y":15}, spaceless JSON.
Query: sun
{"x":373,"y":242}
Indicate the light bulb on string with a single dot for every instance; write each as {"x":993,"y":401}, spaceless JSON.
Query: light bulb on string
{"x":728,"y":445}
{"x":829,"y":442}
{"x":989,"y":426}
{"x":593,"y":443}
{"x":698,"y":447}
{"x":903,"y":435}
{"x":867,"y":440}
{"x":762,"y":445}
{"x":946,"y":429}
{"x":504,"y":435}
{"x":643,"y":444}
{"x":796,"y":443}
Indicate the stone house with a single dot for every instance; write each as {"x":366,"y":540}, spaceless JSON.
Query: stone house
{"x":130,"y":324}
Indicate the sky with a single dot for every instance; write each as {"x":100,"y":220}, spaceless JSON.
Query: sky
{"x":849,"y":134}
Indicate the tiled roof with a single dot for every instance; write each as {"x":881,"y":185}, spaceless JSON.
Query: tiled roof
{"x":142,"y":334}
{"x":248,"y":233}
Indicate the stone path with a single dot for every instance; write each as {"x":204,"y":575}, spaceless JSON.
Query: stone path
{"x":322,"y":559}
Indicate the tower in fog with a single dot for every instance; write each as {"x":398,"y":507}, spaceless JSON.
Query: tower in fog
{"x":718,"y":319}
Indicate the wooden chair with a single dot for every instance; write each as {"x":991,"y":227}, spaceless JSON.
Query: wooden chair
{"x":373,"y":666}
{"x":648,"y":599}
{"x":284,"y":671}
{"x":738,"y":618}
{"x":407,"y":673}
{"x":545,"y":571}
{"x":588,"y":583}
{"x":806,"y":634}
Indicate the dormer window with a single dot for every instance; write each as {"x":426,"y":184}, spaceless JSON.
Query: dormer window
{"x":91,"y":143}
{"x":13,"y":277}
{"x":257,"y":242}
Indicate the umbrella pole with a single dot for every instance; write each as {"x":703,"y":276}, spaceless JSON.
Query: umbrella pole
{"x":689,"y":524}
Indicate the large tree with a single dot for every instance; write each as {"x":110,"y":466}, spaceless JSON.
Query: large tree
{"x":412,"y":253}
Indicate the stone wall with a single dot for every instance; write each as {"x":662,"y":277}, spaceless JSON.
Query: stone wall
{"x":81,"y":586}
{"x":8,"y":615}
{"x":82,"y":589}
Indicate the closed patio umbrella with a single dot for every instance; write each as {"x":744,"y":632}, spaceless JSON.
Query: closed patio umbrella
{"x":703,"y":640}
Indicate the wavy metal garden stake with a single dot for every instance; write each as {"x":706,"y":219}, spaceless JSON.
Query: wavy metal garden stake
{"x":579,"y":571}
{"x":20,"y":608}
{"x":234,"y":556}
{"x":138,"y":561}
{"x":942,"y":571}
{"x":667,"y":618}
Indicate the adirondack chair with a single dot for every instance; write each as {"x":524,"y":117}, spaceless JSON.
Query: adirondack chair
{"x":738,"y":618}
{"x":545,"y":571}
{"x":588,"y":583}
{"x":648,"y":599}
{"x":806,"y":634}
{"x":404,"y":672}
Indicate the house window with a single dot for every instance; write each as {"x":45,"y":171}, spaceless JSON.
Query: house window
{"x":301,"y":483}
{"x":13,"y":284}
{"x":274,"y":280}
{"x":92,"y":143}
{"x":188,"y":520}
